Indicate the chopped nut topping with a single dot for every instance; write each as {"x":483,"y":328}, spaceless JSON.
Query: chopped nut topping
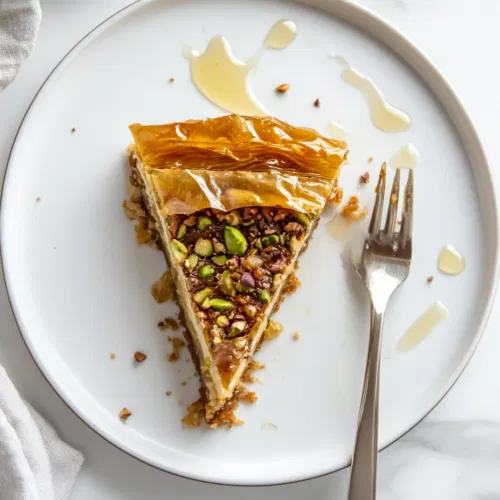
{"x":125,"y":413}
{"x":365,"y":178}
{"x":317,"y":103}
{"x":139,"y":356}
{"x":281,"y":89}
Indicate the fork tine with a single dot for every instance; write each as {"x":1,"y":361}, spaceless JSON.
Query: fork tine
{"x":392,"y":211}
{"x":407,"y":221}
{"x":374,"y":227}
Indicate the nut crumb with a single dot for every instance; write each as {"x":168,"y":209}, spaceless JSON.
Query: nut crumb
{"x":37,"y":199}
{"x":317,"y":103}
{"x":430,"y":279}
{"x":168,"y":393}
{"x":337,"y":194}
{"x":171,"y":80}
{"x":168,"y":323}
{"x":125,"y":413}
{"x":73,"y":130}
{"x":296,"y":336}
{"x":112,"y":356}
{"x":352,"y":210}
{"x":139,"y":356}
{"x":177,"y":345}
{"x":281,"y":89}
{"x":365,"y":178}
{"x":162,"y":289}
{"x":370,"y":159}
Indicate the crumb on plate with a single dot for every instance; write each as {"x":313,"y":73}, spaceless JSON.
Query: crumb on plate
{"x":352,"y":210}
{"x":125,"y":413}
{"x":168,"y":393}
{"x":168,"y":323}
{"x":171,"y":80}
{"x":370,"y":159}
{"x":365,"y":178}
{"x":281,"y":89}
{"x":317,"y":103}
{"x":337,"y":194}
{"x":112,"y":355}
{"x":73,"y":130}
{"x":139,"y":356}
{"x":430,"y":279}
{"x":296,"y":336}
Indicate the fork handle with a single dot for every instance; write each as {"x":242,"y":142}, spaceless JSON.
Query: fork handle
{"x":363,"y":481}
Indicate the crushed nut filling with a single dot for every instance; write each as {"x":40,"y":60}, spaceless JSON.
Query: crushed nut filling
{"x":233,"y":263}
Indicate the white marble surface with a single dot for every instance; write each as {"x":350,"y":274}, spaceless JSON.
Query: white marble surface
{"x":453,"y":454}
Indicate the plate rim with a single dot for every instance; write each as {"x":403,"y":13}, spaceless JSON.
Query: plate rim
{"x":368,"y":22}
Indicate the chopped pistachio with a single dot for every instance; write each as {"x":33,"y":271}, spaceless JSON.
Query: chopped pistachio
{"x":248,"y":223}
{"x":227,"y":284}
{"x":219,"y":260}
{"x":220,"y":304}
{"x":236,"y":243}
{"x":179,"y":251}
{"x":192,"y":261}
{"x":264,"y":296}
{"x":258,"y":244}
{"x":277,"y":278}
{"x":181,"y":232}
{"x":253,"y":251}
{"x":203,"y":222}
{"x":294,"y":245}
{"x":206,"y":271}
{"x":204,"y":247}
{"x":270,"y":240}
{"x":202,"y":295}
{"x":236,"y":329}
{"x":222,"y":321}
{"x":233,"y":218}
{"x":206,"y":303}
{"x":303,"y":219}
{"x":239,"y":287}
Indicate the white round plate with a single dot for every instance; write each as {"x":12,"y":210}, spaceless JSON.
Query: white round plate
{"x":80,"y":286}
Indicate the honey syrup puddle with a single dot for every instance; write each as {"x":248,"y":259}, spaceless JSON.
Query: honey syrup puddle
{"x":406,"y":157}
{"x":339,"y":227}
{"x":450,"y":261}
{"x":336,"y":131}
{"x":422,"y":327}
{"x":384,"y":115}
{"x":225,"y":80}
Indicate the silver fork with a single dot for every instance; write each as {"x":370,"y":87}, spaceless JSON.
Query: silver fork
{"x":385,"y":264}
